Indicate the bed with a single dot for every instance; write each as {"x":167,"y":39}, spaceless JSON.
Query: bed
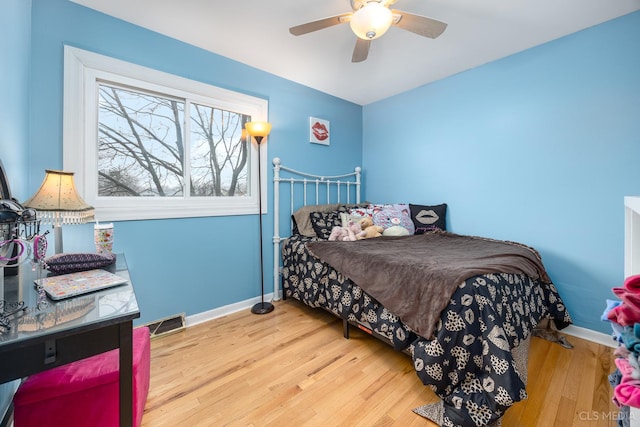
{"x":462,"y":307}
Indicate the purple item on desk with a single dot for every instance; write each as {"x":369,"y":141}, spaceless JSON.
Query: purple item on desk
{"x":70,"y":263}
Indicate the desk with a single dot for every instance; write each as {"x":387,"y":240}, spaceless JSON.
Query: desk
{"x":69,"y":330}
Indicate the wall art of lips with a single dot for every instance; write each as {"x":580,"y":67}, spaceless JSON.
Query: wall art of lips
{"x":320,"y":131}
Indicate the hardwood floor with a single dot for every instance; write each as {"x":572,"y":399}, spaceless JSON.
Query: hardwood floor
{"x":293,"y":368}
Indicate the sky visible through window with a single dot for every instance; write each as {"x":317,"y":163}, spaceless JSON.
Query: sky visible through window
{"x":144,"y":149}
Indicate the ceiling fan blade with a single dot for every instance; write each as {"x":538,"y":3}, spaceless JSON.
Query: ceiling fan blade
{"x":421,"y":25}
{"x":361,"y":51}
{"x":320,"y":24}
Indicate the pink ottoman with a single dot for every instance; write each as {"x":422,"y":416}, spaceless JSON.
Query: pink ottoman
{"x":84,"y":393}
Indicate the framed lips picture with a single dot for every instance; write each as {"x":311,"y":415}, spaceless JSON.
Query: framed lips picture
{"x":319,"y":131}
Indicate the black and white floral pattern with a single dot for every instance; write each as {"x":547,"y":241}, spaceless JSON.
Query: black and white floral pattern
{"x":469,"y":363}
{"x":323,"y":222}
{"x":316,"y":284}
{"x":487,"y":317}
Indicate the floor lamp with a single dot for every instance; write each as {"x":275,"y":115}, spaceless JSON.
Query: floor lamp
{"x":259,"y":130}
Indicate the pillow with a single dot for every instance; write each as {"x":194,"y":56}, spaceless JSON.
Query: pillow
{"x":323,"y":223}
{"x":395,"y":230}
{"x":302,"y":222}
{"x":346,"y":217}
{"x":354,"y":205}
{"x":429,"y":218}
{"x":387,"y":216}
{"x":73,"y":262}
{"x":361,"y":212}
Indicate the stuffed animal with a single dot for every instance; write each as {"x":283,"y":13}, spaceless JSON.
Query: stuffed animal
{"x":339,"y":233}
{"x":355,"y":228}
{"x":345,"y":234}
{"x":396,"y":229}
{"x":369,"y":230}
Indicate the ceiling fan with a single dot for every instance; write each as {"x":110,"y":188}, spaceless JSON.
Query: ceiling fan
{"x":369,"y":20}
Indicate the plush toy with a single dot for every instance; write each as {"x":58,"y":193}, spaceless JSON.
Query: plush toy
{"x":396,"y":229}
{"x":369,"y":230}
{"x":338,"y":233}
{"x":345,"y":234}
{"x":355,"y":228}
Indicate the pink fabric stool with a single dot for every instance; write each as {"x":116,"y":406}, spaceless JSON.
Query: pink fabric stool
{"x":84,"y":393}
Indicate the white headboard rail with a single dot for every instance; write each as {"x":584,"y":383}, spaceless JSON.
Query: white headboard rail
{"x":344,"y":185}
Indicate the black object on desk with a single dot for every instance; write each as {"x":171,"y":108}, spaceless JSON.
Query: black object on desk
{"x":57,"y":333}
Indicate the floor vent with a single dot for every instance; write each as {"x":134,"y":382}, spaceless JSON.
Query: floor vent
{"x":166,"y":326}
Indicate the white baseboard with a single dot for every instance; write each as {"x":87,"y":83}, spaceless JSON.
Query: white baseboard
{"x":590,"y":335}
{"x":223,"y":311}
{"x":576,"y":331}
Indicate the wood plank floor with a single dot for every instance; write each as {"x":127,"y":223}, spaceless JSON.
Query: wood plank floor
{"x":292,"y":367}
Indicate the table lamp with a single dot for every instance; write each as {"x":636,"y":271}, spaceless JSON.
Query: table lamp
{"x":259,"y":130}
{"x":57,"y":202}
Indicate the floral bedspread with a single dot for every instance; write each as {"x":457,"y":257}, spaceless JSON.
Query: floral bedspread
{"x":469,"y":364}
{"x":316,"y":284}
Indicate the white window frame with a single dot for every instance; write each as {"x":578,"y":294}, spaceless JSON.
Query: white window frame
{"x":82,"y":72}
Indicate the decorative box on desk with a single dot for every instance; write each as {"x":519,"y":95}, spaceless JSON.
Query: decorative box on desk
{"x":69,"y":330}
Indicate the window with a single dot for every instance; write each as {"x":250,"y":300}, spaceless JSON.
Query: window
{"x":145,"y":144}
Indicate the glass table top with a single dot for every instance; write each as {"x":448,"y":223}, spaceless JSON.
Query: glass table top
{"x":28,"y":312}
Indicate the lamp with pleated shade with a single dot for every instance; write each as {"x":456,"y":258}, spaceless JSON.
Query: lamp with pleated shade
{"x":58,"y":202}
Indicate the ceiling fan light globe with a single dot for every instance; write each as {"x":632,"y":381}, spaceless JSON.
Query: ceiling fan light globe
{"x":371,"y":21}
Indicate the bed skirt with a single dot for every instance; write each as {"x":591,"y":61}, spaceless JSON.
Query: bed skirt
{"x":435,"y":411}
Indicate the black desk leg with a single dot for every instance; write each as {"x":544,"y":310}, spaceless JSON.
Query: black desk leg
{"x":126,"y":374}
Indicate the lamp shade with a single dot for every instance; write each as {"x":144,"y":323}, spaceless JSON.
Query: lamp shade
{"x":258,"y":129}
{"x":58,"y":202}
{"x":371,"y":21}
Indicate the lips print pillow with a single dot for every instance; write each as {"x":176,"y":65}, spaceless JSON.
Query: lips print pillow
{"x":428,"y":218}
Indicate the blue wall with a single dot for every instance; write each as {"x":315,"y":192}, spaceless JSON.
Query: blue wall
{"x":15,"y":29}
{"x":15,"y":41}
{"x":182,"y":265}
{"x":540,"y":147}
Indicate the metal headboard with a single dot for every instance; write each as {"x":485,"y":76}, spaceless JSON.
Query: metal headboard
{"x":306,"y":189}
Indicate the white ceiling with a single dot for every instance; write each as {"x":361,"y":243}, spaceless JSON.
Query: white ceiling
{"x":256,"y":32}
